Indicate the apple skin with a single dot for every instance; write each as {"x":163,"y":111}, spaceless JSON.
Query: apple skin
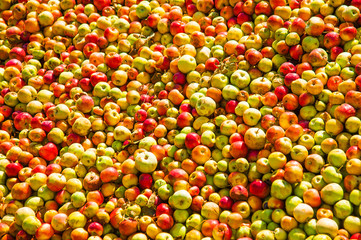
{"x":238,"y":149}
{"x":192,"y":140}
{"x":239,"y":192}
{"x":240,"y":79}
{"x":91,"y":181}
{"x":303,"y":212}
{"x":186,"y":64}
{"x":146,"y":162}
{"x":113,"y":60}
{"x":344,"y":111}
{"x":85,"y":104}
{"x":21,"y":191}
{"x":198,"y":179}
{"x":31,"y":224}
{"x":315,"y":26}
{"x":222,"y":231}
{"x":312,"y":197}
{"x":100,"y":4}
{"x":22,"y":213}
{"x":22,"y":121}
{"x":181,"y":200}
{"x":337,"y":157}
{"x":109,"y":174}
{"x":163,"y":208}
{"x":56,"y":182}
{"x":165,"y":221}
{"x":226,"y":202}
{"x":210,"y":210}
{"x":49,"y":151}
{"x":335,"y":189}
{"x":281,"y":189}
{"x":205,"y":106}
{"x":12,"y":169}
{"x":208,"y":226}
{"x":327,"y":226}
{"x":259,"y":188}
{"x":177,"y":174}
{"x":255,"y":138}
{"x":96,"y":229}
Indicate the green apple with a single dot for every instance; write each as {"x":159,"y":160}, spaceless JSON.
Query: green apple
{"x":23,"y":213}
{"x":310,"y":227}
{"x":343,"y":209}
{"x":186,"y":64}
{"x":77,"y":220}
{"x":310,"y":43}
{"x":332,"y":193}
{"x":34,"y":203}
{"x":240,"y":79}
{"x":78,"y":199}
{"x":205,"y":106}
{"x":164,"y":236}
{"x":145,"y":162}
{"x":219,"y":81}
{"x":303,"y":212}
{"x":277,"y":215}
{"x":31,"y":224}
{"x":297,"y":233}
{"x":180,"y":215}
{"x":355,"y":197}
{"x":143,"y":9}
{"x":281,"y":189}
{"x":194,"y":221}
{"x":265,"y":234}
{"x":331,"y":174}
{"x":178,"y":231}
{"x":208,"y":138}
{"x":181,"y":200}
{"x":327,"y":226}
{"x":251,"y":116}
{"x":291,"y":203}
{"x":337,"y":157}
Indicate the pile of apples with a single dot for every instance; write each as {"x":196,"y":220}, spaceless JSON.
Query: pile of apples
{"x":180,"y":119}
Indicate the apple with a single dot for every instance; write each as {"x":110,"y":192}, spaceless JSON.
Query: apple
{"x":21,"y":191}
{"x":343,"y":112}
{"x":207,"y":227}
{"x":91,"y":181}
{"x":255,"y":138}
{"x":210,"y":210}
{"x":326,"y":226}
{"x":146,"y":162}
{"x":343,"y":208}
{"x":96,"y":229}
{"x":281,"y":189}
{"x":45,"y":231}
{"x":76,"y":220}
{"x":22,"y":213}
{"x":352,"y":224}
{"x":165,"y":221}
{"x":180,"y":200}
{"x":205,"y":106}
{"x":31,"y":224}
{"x":259,"y":189}
{"x":187,"y":64}
{"x":337,"y":157}
{"x":222,"y":231}
{"x":335,"y":189}
{"x":238,"y":192}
